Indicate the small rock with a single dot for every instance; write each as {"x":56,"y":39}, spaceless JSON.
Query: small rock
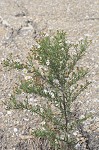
{"x":5,"y":23}
{"x":15,"y":130}
{"x":25,"y":119}
{"x":21,"y":14}
{"x":9,"y":112}
{"x":1,"y":114}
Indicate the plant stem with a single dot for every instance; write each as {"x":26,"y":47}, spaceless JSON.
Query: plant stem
{"x":66,"y":118}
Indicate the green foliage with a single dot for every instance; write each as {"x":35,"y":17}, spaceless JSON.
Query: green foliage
{"x":54,"y":76}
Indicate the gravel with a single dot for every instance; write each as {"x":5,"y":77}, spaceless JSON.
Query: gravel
{"x":21,"y":21}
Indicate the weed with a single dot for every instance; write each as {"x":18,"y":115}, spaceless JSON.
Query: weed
{"x":52,"y":74}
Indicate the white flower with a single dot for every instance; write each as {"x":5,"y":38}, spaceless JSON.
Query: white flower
{"x":43,"y":123}
{"x":68,"y":135}
{"x":67,"y":79}
{"x":60,"y":41}
{"x":24,"y":71}
{"x":45,"y":91}
{"x":46,"y":35}
{"x":34,"y":104}
{"x":77,"y":42}
{"x":43,"y":129}
{"x":80,"y":39}
{"x":82,"y":117}
{"x":68,"y":42}
{"x":56,"y":81}
{"x":47,"y":62}
{"x":56,"y":141}
{"x":72,"y":88}
{"x":18,"y":60}
{"x":31,"y":100}
{"x":60,"y":44}
{"x":28,"y":77}
{"x":62,"y":48}
{"x":75,"y":133}
{"x":38,"y":46}
{"x":52,"y":94}
{"x":9,"y":94}
{"x":41,"y":109}
{"x":62,"y":137}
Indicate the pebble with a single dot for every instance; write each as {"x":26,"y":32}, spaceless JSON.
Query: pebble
{"x":9,"y":112}
{"x":87,"y":35}
{"x":25,"y":119}
{"x":15,"y":130}
{"x":1,"y":114}
{"x":5,"y":23}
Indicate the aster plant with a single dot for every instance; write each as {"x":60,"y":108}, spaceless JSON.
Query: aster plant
{"x":53,"y":75}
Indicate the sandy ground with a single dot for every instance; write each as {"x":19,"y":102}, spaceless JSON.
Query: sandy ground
{"x":20,"y":22}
